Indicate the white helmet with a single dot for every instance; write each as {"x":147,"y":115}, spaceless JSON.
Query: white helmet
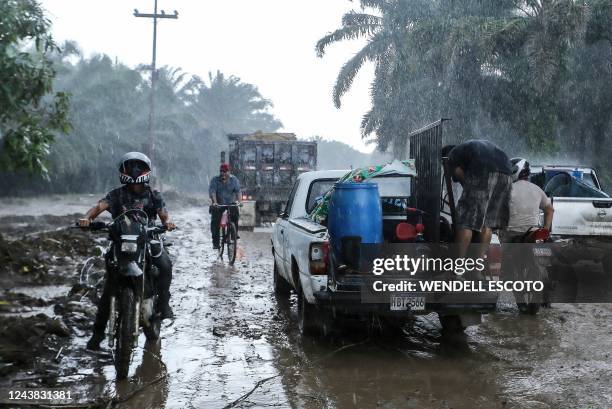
{"x":134,"y":168}
{"x":520,"y":168}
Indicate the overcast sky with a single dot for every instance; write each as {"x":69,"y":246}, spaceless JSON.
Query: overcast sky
{"x":269,"y":43}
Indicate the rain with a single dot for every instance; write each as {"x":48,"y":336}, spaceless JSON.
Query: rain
{"x":533,"y":77}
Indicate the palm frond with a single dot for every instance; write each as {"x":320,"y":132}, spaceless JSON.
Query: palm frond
{"x":345,"y":33}
{"x":353,"y":18}
{"x":375,"y":48}
{"x":383,"y":6}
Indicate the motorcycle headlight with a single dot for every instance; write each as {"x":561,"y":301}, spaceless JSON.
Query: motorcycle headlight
{"x":129,"y":247}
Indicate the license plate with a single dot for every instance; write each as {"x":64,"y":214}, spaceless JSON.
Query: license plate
{"x":405,"y":303}
{"x":542,"y":252}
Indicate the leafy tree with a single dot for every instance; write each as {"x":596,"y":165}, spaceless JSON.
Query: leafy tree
{"x":29,"y":116}
{"x":110,"y":112}
{"x":495,"y":67}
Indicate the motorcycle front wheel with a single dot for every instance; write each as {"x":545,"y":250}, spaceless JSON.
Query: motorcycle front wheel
{"x":125,"y":333}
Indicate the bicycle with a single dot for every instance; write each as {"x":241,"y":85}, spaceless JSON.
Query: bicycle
{"x":228,"y":233}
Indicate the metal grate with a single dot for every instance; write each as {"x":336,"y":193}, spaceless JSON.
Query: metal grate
{"x":425,"y":149}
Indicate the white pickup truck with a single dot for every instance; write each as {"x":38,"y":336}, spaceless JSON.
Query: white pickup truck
{"x":300,"y":248}
{"x":582,"y":224}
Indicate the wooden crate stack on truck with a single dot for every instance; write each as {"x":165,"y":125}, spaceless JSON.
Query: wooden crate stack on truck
{"x":267,"y":165}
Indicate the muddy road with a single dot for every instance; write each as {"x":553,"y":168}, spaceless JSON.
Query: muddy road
{"x":233,"y":344}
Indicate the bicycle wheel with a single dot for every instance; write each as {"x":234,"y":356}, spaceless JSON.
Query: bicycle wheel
{"x":222,"y":234}
{"x":232,"y":243}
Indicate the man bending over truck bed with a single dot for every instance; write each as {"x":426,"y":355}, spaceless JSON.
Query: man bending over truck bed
{"x":484,"y":172}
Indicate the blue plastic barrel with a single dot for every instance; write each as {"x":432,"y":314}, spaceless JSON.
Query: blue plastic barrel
{"x":354,"y":211}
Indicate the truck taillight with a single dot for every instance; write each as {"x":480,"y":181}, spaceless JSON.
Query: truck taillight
{"x":494,"y":257}
{"x":318,"y":258}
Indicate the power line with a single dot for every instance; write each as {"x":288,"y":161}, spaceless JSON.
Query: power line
{"x":155,"y":15}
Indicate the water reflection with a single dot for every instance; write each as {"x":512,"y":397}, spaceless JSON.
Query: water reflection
{"x":148,"y":387}
{"x":421,"y":368}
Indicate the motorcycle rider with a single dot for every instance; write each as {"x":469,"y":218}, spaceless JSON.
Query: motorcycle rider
{"x":526,"y":201}
{"x":224,"y":189}
{"x":134,"y":174}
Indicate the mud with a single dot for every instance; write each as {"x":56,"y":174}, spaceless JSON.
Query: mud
{"x":233,"y":344}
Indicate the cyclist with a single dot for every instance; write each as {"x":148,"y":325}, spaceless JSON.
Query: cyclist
{"x":224,"y":189}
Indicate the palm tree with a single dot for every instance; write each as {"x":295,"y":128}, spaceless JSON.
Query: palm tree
{"x":383,"y":32}
{"x":495,"y":59}
{"x":227,"y":104}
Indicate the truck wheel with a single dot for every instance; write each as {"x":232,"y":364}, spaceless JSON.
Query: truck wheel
{"x":529,"y":308}
{"x":451,"y":324}
{"x":281,"y":286}
{"x":392,"y":328}
{"x":311,"y":320}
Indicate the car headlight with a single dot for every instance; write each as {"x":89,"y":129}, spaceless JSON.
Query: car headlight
{"x":129,"y":247}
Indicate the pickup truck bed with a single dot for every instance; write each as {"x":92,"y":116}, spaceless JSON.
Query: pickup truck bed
{"x":338,"y":293}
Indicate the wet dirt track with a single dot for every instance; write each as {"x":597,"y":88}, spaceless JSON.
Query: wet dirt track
{"x":234,"y":344}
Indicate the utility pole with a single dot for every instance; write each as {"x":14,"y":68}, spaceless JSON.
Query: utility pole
{"x":154,"y":16}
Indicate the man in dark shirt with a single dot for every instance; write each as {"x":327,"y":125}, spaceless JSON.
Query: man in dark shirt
{"x":135,"y":169}
{"x":484,"y":171}
{"x":224,"y":189}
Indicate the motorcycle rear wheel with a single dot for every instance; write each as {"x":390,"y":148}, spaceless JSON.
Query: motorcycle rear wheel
{"x":525,"y":300}
{"x":153,"y":329}
{"x":125,"y":333}
{"x":528,"y":308}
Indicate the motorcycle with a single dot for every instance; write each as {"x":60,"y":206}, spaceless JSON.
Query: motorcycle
{"x":533,"y":265}
{"x":133,"y":302}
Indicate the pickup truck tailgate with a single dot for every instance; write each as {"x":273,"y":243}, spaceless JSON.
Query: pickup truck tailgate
{"x":582,"y":216}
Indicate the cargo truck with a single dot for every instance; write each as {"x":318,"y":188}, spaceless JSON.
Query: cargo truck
{"x":267,"y":165}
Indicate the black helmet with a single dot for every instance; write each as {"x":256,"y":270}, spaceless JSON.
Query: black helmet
{"x":520,"y":168}
{"x":134,"y":168}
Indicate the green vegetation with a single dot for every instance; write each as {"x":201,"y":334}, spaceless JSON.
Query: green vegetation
{"x":109,"y":115}
{"x":29,"y":112}
{"x":532,"y":75}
